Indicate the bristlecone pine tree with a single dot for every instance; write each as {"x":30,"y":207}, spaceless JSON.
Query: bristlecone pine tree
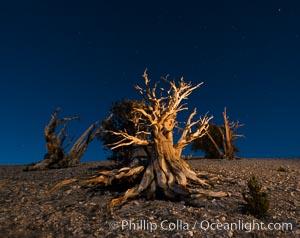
{"x":165,"y":173}
{"x":121,"y":118}
{"x":211,"y":144}
{"x":219,"y":140}
{"x":229,"y":135}
{"x":56,"y":157}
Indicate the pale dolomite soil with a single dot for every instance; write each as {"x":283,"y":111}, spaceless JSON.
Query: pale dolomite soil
{"x":28,"y":210}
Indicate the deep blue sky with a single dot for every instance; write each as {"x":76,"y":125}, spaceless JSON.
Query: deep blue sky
{"x":84,"y":55}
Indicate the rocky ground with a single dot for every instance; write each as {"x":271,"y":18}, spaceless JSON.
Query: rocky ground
{"x":28,"y":210}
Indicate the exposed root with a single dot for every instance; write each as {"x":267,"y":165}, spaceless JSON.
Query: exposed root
{"x":198,"y":192}
{"x":156,"y":178}
{"x":63,"y":183}
{"x":104,"y":177}
{"x":195,"y":179}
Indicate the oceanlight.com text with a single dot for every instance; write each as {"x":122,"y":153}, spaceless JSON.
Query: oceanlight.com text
{"x":205,"y":225}
{"x":245,"y":226}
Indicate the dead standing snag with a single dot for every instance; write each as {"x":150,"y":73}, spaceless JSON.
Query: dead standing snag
{"x":165,"y":173}
{"x":219,"y":141}
{"x":229,"y":136}
{"x":56,"y":157}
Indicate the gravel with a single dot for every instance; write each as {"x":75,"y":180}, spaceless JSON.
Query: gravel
{"x":27,"y":209}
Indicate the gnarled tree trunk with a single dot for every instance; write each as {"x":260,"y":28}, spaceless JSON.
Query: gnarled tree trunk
{"x":165,"y":173}
{"x":56,"y":157}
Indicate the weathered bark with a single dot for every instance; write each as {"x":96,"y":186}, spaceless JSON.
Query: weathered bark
{"x":56,"y":157}
{"x":220,"y":154}
{"x":80,"y":146}
{"x":165,"y":173}
{"x":227,"y":150}
{"x":229,"y":136}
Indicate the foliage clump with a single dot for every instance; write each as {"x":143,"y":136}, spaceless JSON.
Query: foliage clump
{"x":212,"y":144}
{"x":218,"y":142}
{"x":257,"y":201}
{"x":206,"y":145}
{"x":121,"y":118}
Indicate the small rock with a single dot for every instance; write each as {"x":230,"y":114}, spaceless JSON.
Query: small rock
{"x":221,"y":205}
{"x":190,"y":209}
{"x":293,"y":194}
{"x":176,"y":235}
{"x":230,"y":233}
{"x":242,"y":183}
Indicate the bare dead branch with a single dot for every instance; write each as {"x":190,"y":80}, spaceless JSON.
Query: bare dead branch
{"x":127,"y":139}
{"x":56,"y":157}
{"x":188,"y":136}
{"x":166,"y":172}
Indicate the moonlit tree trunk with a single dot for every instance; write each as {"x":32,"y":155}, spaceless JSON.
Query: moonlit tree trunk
{"x":56,"y":157}
{"x":228,"y":133}
{"x":165,"y":173}
{"x":229,"y":136}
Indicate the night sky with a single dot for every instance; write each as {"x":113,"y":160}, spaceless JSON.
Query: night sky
{"x":84,"y":55}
